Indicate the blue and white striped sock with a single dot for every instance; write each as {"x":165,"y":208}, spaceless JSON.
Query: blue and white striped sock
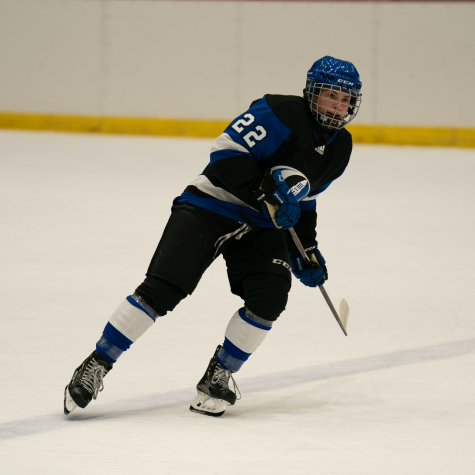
{"x":244,"y":333}
{"x":128,"y":323}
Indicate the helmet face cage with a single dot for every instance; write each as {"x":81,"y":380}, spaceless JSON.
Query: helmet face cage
{"x":326,"y":116}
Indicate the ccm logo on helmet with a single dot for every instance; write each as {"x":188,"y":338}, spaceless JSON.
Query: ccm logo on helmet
{"x":346,"y":82}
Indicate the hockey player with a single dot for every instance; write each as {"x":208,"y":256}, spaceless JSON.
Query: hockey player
{"x":240,"y":207}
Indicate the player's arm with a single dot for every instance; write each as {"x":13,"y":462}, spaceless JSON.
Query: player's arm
{"x":240,"y":175}
{"x":250,"y":138}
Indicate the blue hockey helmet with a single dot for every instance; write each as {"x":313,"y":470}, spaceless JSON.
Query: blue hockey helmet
{"x":333,"y":76}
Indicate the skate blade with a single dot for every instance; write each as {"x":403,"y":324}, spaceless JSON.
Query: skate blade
{"x":203,"y":404}
{"x":69,"y":404}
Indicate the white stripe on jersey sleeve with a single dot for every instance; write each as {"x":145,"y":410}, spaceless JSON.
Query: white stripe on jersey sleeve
{"x":225,"y":142}
{"x":203,"y":184}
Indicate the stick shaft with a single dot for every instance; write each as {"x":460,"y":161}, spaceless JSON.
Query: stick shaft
{"x":322,"y":289}
{"x":299,"y":245}
{"x":332,"y":308}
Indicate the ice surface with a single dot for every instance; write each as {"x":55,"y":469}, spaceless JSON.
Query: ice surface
{"x":80,"y":218}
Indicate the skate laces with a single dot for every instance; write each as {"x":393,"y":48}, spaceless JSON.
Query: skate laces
{"x":221,"y":377}
{"x":93,"y":378}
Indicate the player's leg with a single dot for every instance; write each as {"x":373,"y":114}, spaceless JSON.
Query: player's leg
{"x":265,"y":297}
{"x":185,"y":251}
{"x":126,"y":325}
{"x":183,"y":254}
{"x":258,"y":269}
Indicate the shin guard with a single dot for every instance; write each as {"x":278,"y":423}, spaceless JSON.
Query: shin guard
{"x":128,"y":323}
{"x":244,"y":333}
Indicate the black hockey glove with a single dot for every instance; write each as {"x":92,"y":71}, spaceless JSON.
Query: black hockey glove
{"x":278,"y":203}
{"x":310,"y":276}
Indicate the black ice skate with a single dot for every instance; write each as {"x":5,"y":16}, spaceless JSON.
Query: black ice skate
{"x":214,"y":395}
{"x":86,"y":382}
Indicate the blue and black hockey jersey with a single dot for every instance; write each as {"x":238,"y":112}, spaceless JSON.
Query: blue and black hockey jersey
{"x":276,"y":130}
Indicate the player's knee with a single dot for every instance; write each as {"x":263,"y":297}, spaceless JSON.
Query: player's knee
{"x":266,"y":294}
{"x":162,"y":296}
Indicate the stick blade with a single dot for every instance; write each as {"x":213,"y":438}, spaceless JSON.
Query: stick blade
{"x":344,"y":312}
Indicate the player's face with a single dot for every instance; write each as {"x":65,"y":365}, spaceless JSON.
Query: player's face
{"x":332,"y":103}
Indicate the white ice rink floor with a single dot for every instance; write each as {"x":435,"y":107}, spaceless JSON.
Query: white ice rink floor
{"x":80,"y":219}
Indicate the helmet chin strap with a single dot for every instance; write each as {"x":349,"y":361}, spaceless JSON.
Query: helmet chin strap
{"x":326,"y":119}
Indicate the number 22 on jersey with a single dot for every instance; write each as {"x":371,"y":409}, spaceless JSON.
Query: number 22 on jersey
{"x":257,"y":134}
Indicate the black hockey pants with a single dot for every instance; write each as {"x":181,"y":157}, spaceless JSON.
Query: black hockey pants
{"x":257,"y":264}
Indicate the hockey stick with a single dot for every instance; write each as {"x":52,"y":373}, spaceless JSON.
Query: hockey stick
{"x":342,"y":319}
